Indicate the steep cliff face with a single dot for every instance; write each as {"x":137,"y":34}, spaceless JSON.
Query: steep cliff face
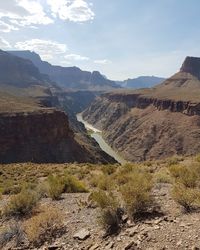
{"x":154,"y":123}
{"x":191,"y":65}
{"x":42,"y":136}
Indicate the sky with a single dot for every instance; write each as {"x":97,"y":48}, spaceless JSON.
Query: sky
{"x":120,"y":38}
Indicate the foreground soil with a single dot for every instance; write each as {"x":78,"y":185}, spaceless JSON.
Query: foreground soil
{"x":169,"y":229}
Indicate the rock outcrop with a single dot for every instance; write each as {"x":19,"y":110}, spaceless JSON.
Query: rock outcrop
{"x":191,"y":65}
{"x":42,"y":135}
{"x":152,"y":123}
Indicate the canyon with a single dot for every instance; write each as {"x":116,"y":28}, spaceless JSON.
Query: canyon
{"x":152,"y":123}
{"x":37,"y":118}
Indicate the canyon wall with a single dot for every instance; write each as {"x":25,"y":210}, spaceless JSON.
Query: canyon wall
{"x":143,"y":128}
{"x":41,"y":136}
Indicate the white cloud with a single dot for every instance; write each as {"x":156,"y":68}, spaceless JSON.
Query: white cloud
{"x":5,"y":27}
{"x":36,"y":13}
{"x":47,"y":49}
{"x":21,"y":13}
{"x":72,"y":10}
{"x":76,"y":57}
{"x":15,"y":14}
{"x":102,"y":61}
{"x":4,"y":44}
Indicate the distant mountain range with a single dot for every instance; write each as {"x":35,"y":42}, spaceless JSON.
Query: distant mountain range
{"x":141,"y":82}
{"x":75,"y":78}
{"x":69,"y":77}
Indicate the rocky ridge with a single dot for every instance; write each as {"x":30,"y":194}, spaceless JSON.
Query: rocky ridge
{"x":69,"y":77}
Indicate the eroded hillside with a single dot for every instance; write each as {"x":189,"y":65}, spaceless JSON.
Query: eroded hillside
{"x":152,"y":123}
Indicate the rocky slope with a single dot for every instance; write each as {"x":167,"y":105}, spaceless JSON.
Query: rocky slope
{"x":153,"y":123}
{"x":69,"y":77}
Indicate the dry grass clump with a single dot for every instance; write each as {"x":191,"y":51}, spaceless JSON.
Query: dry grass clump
{"x":64,"y":184}
{"x":109,"y":169}
{"x":136,"y":193}
{"x":185,"y":175}
{"x":133,"y":185}
{"x":188,"y":198}
{"x":73,"y":185}
{"x":104,"y":199}
{"x":163,"y":176}
{"x":22,"y":204}
{"x":44,"y":226}
{"x":105,"y":182}
{"x":185,"y":190}
{"x":55,"y":187}
{"x":110,"y":217}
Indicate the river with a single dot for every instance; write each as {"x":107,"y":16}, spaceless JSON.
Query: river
{"x":97,"y":135}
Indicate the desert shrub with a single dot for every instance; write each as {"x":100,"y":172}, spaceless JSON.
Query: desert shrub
{"x":108,"y":169}
{"x":126,"y":173}
{"x":136,"y":193}
{"x":198,"y":158}
{"x":110,"y":219}
{"x":186,"y":197}
{"x":22,"y":204}
{"x":184,"y":175}
{"x":162,"y":176}
{"x":103,"y":199}
{"x":13,"y":232}
{"x":9,"y":187}
{"x":73,"y":185}
{"x":44,"y":226}
{"x":94,"y":180}
{"x":173,"y":160}
{"x":105,"y":182}
{"x":55,"y":187}
{"x":110,"y":216}
{"x":64,"y":184}
{"x":42,"y":189}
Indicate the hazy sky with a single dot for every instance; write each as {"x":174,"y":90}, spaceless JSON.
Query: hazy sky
{"x":120,"y":38}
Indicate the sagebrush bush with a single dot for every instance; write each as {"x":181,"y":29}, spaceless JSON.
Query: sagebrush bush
{"x":94,"y":180}
{"x":73,"y":185}
{"x":64,"y":184}
{"x":110,"y":219}
{"x":42,"y":189}
{"x":104,"y":199}
{"x":22,"y":204}
{"x":110,"y":216}
{"x":9,"y":187}
{"x":187,"y":197}
{"x":44,"y":226}
{"x":184,"y":175}
{"x":126,"y":172}
{"x":162,"y":176}
{"x":108,"y":169}
{"x":55,"y":187}
{"x":105,"y":182}
{"x":136,"y":193}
